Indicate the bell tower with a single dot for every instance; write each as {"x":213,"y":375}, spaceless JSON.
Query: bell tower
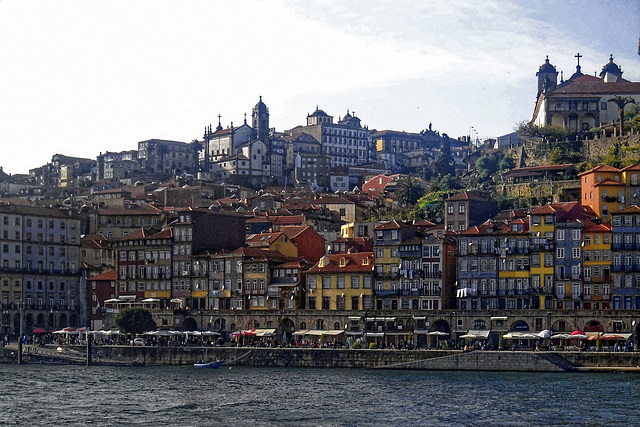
{"x":260,"y":121}
{"x":547,"y":77}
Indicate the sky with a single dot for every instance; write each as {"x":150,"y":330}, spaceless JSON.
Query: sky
{"x":84,"y":77}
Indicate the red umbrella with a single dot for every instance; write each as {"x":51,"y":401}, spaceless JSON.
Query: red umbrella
{"x":39,"y":331}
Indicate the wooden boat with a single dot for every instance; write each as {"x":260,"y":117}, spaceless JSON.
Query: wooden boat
{"x":203,"y":364}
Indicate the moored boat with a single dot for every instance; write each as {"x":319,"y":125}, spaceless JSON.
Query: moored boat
{"x":203,"y":364}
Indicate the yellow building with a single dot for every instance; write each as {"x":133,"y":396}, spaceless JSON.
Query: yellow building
{"x":341,"y":282}
{"x":541,"y":229}
{"x":277,"y":241}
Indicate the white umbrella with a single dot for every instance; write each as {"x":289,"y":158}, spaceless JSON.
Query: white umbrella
{"x":439,"y":333}
{"x":545,"y":334}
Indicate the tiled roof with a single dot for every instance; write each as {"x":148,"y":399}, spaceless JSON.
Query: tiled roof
{"x":600,"y":168}
{"x":353,"y":263}
{"x":609,"y":182}
{"x":109,"y":275}
{"x":469,"y":195}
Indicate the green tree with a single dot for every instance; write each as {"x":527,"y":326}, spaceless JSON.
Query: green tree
{"x":135,"y":321}
{"x":621,"y":102}
{"x":506,"y":163}
{"x":487,"y":165}
{"x":409,"y":191}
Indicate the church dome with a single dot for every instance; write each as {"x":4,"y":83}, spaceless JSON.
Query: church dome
{"x":547,"y":67}
{"x":260,"y":106}
{"x":611,"y":68}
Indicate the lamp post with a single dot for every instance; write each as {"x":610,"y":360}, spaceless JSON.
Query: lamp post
{"x":455,"y":330}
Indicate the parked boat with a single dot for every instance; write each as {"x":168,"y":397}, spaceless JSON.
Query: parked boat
{"x":203,"y":364}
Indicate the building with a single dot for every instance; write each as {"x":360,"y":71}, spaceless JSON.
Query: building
{"x":40,"y":269}
{"x":625,"y":265}
{"x":195,"y":232}
{"x":341,"y":282}
{"x":144,"y":265}
{"x":120,"y":220}
{"x":581,"y":102}
{"x":162,"y":158}
{"x":467,"y":209}
{"x":347,"y":142}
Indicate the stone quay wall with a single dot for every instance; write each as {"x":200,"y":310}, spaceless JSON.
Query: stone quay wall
{"x":518,"y":361}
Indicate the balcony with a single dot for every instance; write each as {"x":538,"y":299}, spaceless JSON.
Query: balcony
{"x":616,"y":268}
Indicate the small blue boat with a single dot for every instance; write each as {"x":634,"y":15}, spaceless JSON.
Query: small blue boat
{"x":203,"y":364}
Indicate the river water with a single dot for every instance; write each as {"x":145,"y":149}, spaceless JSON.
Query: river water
{"x":102,"y":395}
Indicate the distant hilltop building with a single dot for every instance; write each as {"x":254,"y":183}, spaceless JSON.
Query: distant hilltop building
{"x":581,"y":102}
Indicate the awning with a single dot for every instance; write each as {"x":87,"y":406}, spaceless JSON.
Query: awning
{"x":354,"y":318}
{"x":481,"y":334}
{"x":389,"y":319}
{"x":615,"y":336}
{"x":438,"y":333}
{"x":334,"y":332}
{"x":315,"y":332}
{"x":353,"y":333}
{"x":498,"y":317}
{"x":419,"y":317}
{"x":421,"y":331}
{"x":265,"y":332}
{"x":301,"y":332}
{"x":514,"y":335}
{"x":375,"y":334}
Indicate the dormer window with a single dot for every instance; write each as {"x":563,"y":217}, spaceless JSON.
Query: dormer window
{"x":343,"y":262}
{"x":365,"y":261}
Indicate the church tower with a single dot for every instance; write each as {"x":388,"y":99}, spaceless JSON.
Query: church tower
{"x":260,"y":121}
{"x":547,"y":77}
{"x":611,"y":72}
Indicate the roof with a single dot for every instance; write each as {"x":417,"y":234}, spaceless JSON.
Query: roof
{"x":633,"y":209}
{"x":108,"y":275}
{"x":470,"y":195}
{"x":391,"y":225}
{"x":600,"y":168}
{"x":610,"y":183}
{"x":149,"y":233}
{"x":587,"y":85}
{"x":353,"y":263}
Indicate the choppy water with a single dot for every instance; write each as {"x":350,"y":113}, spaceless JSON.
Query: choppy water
{"x":75,"y":395}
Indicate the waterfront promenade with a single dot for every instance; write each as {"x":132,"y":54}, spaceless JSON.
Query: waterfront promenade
{"x":520,"y":361}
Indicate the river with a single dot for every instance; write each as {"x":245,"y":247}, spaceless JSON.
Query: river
{"x":103,"y":395}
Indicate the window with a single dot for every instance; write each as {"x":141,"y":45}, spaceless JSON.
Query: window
{"x":560,"y":253}
{"x":355,"y":282}
{"x":575,"y":253}
{"x":326,"y":283}
{"x":461,"y":208}
{"x":560,"y":235}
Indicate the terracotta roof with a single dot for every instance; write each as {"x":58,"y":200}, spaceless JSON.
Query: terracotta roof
{"x":592,"y":86}
{"x":391,"y":225}
{"x":293,"y":231}
{"x":609,"y":182}
{"x":109,"y":275}
{"x":288,"y":219}
{"x":470,"y":195}
{"x":634,"y":209}
{"x":600,"y":168}
{"x":353,"y":263}
{"x":149,"y":233}
{"x":633,"y":167}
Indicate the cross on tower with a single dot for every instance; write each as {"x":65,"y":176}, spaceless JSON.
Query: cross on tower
{"x":578,"y":56}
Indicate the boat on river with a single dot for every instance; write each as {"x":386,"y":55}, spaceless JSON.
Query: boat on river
{"x":203,"y":364}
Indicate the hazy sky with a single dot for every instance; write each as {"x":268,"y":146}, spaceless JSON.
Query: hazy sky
{"x":84,"y":77}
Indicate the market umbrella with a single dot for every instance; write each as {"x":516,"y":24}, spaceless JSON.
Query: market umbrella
{"x":39,"y":331}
